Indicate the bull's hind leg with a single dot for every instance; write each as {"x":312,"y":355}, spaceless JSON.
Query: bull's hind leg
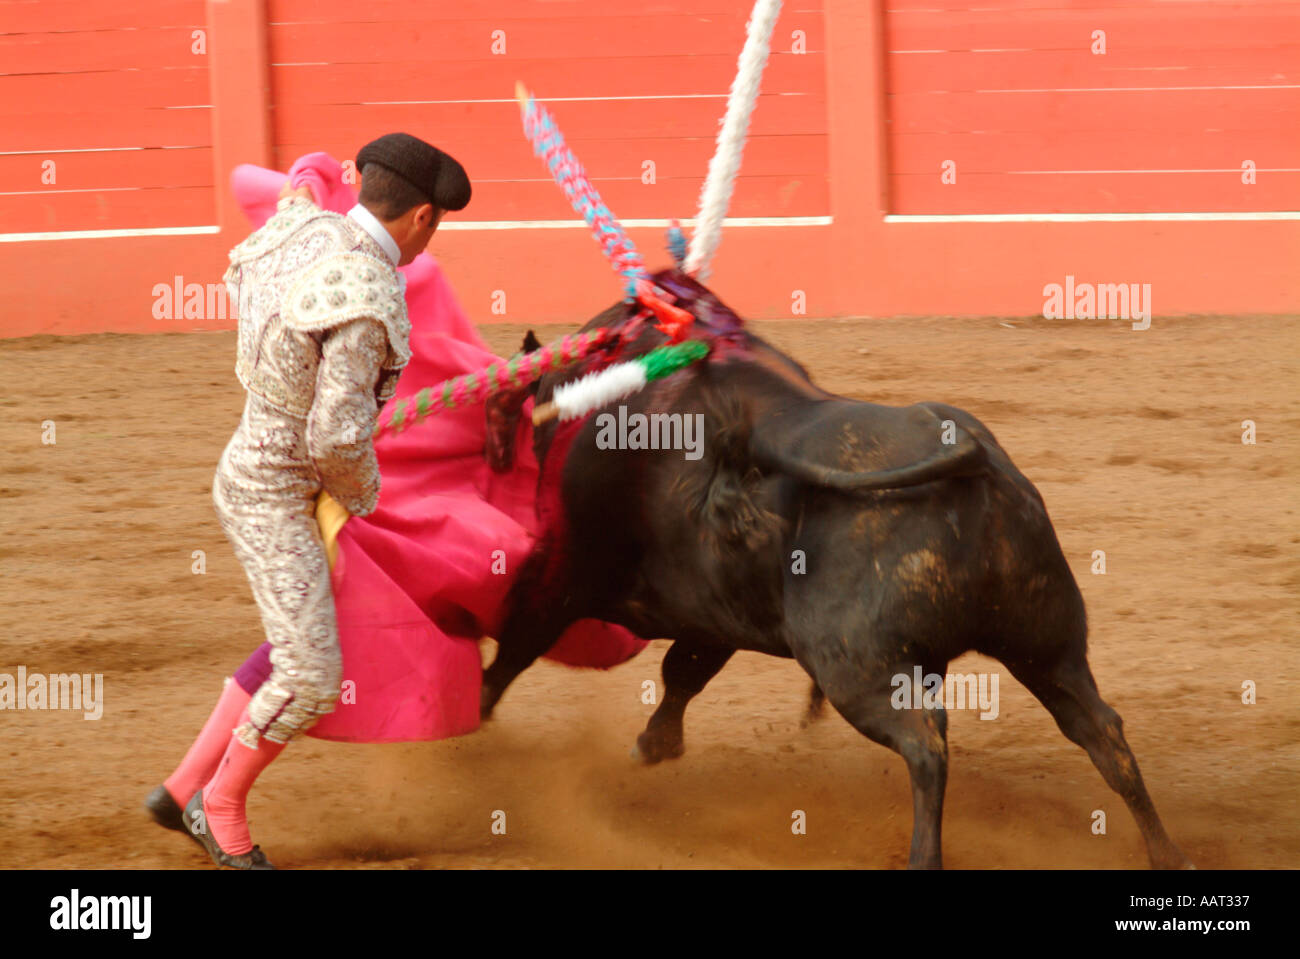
{"x":1070,"y":694}
{"x":687,"y":669}
{"x":920,"y":736}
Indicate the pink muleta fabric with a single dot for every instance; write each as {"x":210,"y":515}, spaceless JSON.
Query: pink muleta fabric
{"x":413,"y":586}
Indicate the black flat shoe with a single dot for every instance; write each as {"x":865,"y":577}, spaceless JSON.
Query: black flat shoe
{"x":164,"y":811}
{"x":198,"y":828}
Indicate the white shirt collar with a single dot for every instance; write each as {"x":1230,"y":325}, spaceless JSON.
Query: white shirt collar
{"x":370,"y":223}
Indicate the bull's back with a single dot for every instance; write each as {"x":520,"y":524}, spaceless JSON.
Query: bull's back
{"x":958,"y":564}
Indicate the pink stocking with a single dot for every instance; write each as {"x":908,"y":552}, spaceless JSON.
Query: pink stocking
{"x":201,"y":761}
{"x":225,"y":796}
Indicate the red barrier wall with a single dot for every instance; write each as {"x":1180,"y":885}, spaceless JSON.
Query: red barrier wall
{"x":863,"y":111}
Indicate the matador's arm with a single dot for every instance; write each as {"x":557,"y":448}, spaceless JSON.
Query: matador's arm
{"x":344,"y":412}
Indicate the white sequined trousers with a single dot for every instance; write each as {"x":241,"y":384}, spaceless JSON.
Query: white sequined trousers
{"x":265,"y":495}
{"x":270,"y":521}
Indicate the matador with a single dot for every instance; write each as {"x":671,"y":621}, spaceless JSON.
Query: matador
{"x":323,"y":336}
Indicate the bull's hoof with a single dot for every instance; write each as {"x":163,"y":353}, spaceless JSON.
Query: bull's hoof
{"x":816,"y":704}
{"x":651,"y":749}
{"x":489,"y":696}
{"x":1164,"y":854}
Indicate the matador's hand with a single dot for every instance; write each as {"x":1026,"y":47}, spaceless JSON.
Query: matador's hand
{"x":302,"y":191}
{"x":330,"y":516}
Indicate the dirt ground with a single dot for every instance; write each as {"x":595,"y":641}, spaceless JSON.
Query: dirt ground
{"x":1133,"y":438}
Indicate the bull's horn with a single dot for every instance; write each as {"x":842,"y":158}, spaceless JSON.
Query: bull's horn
{"x":967,"y":455}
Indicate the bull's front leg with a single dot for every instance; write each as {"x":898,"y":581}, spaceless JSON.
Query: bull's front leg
{"x":521,"y":642}
{"x":687,"y":669}
{"x":534,"y":624}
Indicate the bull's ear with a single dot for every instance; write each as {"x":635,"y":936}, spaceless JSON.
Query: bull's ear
{"x":531,"y":342}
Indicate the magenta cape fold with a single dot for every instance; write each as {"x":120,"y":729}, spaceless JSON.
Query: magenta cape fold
{"x":423,"y":577}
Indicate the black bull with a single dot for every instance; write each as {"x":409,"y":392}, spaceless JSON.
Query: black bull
{"x":863,"y":541}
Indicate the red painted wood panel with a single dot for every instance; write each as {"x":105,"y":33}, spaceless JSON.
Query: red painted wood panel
{"x":336,"y":11}
{"x":995,"y":152}
{"x":1172,"y":6}
{"x":72,"y":92}
{"x":1004,"y":89}
{"x":109,"y":170}
{"x":101,"y":90}
{"x":427,"y":38}
{"x":144,"y":47}
{"x":857,"y":265}
{"x":105,"y":127}
{"x":965,"y":71}
{"x":46,"y":16}
{"x":797,"y":115}
{"x":1166,"y":26}
{"x":1096,"y":193}
{"x":612,"y":138}
{"x":1079,"y":114}
{"x":626,"y":84}
{"x":494,"y":79}
{"x":506,"y":156}
{"x":754,"y":196}
{"x":105,"y":210}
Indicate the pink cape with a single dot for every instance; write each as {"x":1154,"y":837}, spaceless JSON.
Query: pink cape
{"x":421,"y":579}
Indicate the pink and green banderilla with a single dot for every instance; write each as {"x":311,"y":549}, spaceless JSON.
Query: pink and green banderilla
{"x":577,"y":399}
{"x":476,"y":387}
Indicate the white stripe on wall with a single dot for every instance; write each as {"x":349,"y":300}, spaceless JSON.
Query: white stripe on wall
{"x":1084,"y":217}
{"x":739,"y":221}
{"x":107,"y":234}
{"x":466,"y":225}
{"x":744,"y":221}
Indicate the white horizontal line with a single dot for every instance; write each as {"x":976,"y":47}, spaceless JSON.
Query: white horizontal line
{"x":647,"y":96}
{"x":1230,"y":169}
{"x":101,"y":189}
{"x":737,"y":221}
{"x":14,"y":153}
{"x":973,"y":173}
{"x":1260,"y":86}
{"x":1084,"y":217}
{"x":108,"y":234}
{"x":963,"y":8}
{"x":461,"y":226}
{"x":162,"y":146}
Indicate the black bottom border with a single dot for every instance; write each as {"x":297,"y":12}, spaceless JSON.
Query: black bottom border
{"x":614,"y":910}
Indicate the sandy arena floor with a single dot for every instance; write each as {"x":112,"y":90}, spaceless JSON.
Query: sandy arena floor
{"x":1133,"y":438}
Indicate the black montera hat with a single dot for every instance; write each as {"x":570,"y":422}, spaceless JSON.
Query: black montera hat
{"x":435,"y":174}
